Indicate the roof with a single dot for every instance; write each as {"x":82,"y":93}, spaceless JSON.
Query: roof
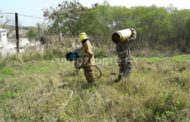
{"x":3,"y":30}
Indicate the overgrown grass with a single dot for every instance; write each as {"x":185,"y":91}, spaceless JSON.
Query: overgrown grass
{"x":47,"y":90}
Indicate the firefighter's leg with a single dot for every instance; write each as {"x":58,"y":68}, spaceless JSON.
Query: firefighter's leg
{"x":89,"y":74}
{"x":124,"y":68}
{"x":121,"y":70}
{"x":128,"y":66}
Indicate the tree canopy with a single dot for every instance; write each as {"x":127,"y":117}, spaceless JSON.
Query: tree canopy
{"x":157,"y":27}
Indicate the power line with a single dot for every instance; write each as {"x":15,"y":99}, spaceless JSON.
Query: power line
{"x":24,"y":15}
{"x":30,"y":16}
{"x":7,"y":13}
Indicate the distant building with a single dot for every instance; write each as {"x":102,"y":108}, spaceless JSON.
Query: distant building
{"x":24,"y":42}
{"x":3,"y":41}
{"x":3,"y":37}
{"x":9,"y":47}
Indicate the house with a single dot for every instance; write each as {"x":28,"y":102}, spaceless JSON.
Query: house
{"x":3,"y":41}
{"x":3,"y":37}
{"x":9,"y":47}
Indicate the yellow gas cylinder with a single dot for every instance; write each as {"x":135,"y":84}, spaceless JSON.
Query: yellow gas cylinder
{"x":121,"y":35}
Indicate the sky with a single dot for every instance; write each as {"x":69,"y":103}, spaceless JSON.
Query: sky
{"x":35,"y":7}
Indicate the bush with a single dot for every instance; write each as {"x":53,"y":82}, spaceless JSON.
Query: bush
{"x":31,"y":56}
{"x":101,"y":53}
{"x":48,"y":54}
{"x":166,"y":105}
{"x":59,"y":53}
{"x":12,"y":59}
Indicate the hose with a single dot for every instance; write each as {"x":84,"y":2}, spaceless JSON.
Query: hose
{"x":99,"y":70}
{"x":100,"y":75}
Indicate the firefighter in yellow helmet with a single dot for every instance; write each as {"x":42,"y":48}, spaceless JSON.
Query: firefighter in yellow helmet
{"x":88,"y":57}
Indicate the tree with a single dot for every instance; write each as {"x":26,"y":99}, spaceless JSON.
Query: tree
{"x":157,"y":27}
{"x":6,"y":22}
{"x":65,"y":16}
{"x":180,"y":33}
{"x":32,"y":33}
{"x":98,"y":22}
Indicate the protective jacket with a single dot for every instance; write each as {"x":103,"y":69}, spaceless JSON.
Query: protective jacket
{"x":88,"y":61}
{"x":123,"y":52}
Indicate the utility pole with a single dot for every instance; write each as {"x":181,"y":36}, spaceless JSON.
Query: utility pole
{"x":17,"y":32}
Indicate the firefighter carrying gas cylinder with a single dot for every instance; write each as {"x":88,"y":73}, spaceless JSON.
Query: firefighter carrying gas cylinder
{"x":123,"y":39}
{"x":88,"y":57}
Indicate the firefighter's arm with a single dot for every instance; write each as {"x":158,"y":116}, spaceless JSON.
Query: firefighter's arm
{"x":89,"y":52}
{"x":134,"y":35}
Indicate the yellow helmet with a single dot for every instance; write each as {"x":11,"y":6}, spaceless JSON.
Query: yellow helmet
{"x":83,"y":36}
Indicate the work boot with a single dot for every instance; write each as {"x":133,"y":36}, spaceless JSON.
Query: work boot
{"x":120,"y":77}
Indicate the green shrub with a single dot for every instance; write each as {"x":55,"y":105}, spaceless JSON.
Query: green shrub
{"x":26,"y":57}
{"x":36,"y":56}
{"x":6,"y":71}
{"x":166,"y":105}
{"x":12,"y":59}
{"x":8,"y":95}
{"x":101,"y":53}
{"x":48,"y":54}
{"x":59,"y":53}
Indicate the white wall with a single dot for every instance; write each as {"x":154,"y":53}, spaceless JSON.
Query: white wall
{"x":3,"y":38}
{"x":7,"y":48}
